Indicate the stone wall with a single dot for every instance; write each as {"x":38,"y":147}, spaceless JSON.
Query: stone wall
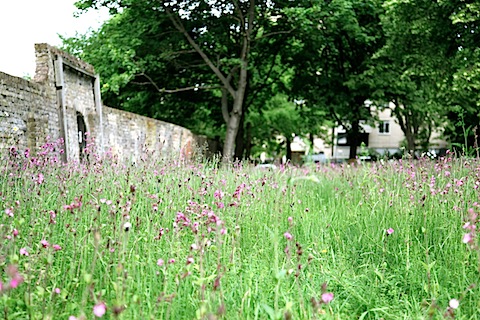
{"x":63,"y":101}
{"x":28,"y":113}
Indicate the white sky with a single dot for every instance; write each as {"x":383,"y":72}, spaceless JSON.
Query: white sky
{"x":26,"y":22}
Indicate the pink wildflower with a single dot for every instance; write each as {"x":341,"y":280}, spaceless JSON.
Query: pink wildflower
{"x":15,"y":232}
{"x":467,"y":237}
{"x":190,"y":260}
{"x":44,"y":243}
{"x":160,"y":262}
{"x":16,"y":280}
{"x":23,"y":252}
{"x":288,"y":236}
{"x":327,"y":297}
{"x":99,"y":309}
{"x":57,"y":290}
{"x":9,"y":212}
{"x":56,"y":247}
{"x":218,"y":194}
{"x":390,"y":231}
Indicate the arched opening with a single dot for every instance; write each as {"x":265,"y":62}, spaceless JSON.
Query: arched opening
{"x":82,"y":129}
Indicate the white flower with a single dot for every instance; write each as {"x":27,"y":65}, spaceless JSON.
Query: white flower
{"x":15,"y":129}
{"x":454,"y":303}
{"x":127,"y":226}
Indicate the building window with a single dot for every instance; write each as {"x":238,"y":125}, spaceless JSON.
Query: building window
{"x":384,"y":127}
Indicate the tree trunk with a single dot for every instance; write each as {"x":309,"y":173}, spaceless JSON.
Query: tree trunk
{"x":312,"y":142}
{"x":240,"y":139}
{"x":232,"y":130}
{"x":354,"y":141}
{"x":288,"y":143}
{"x":248,"y":144}
{"x":405,"y":124}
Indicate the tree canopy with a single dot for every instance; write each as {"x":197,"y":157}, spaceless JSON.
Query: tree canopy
{"x":228,"y":68}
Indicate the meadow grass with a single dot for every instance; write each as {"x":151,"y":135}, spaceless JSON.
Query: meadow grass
{"x":176,"y":239}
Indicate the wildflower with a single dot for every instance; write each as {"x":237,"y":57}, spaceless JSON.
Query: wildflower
{"x":194,"y":246}
{"x":57,"y":290}
{"x":44,"y":243}
{"x":15,"y":232}
{"x":9,"y":212}
{"x":288,"y":236}
{"x":56,"y":247}
{"x":99,"y":309}
{"x":218,"y":194}
{"x":290,"y":219}
{"x":16,"y":281}
{"x":171,"y":261}
{"x":467,"y":238}
{"x":190,"y":260}
{"x":223,"y":231}
{"x":390,"y":231}
{"x":127,"y":226}
{"x":160,"y":262}
{"x":327,"y":297}
{"x":24,"y":252}
{"x":72,"y":318}
{"x":15,"y":129}
{"x":454,"y":303}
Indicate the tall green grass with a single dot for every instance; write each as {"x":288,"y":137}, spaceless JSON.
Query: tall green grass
{"x":189,"y":240}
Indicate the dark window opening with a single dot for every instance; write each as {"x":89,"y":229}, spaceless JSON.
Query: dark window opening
{"x":82,"y":129}
{"x":384,"y":127}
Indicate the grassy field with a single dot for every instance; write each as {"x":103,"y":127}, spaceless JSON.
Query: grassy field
{"x":176,"y":240}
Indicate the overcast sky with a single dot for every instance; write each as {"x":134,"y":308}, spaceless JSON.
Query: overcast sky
{"x":26,"y":22}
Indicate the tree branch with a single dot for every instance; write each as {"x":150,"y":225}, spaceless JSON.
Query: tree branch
{"x":163,"y":90}
{"x":180,"y":27}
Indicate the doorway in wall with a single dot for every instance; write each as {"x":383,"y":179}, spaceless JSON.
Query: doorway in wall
{"x":82,"y":129}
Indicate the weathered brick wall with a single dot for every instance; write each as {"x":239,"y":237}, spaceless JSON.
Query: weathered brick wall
{"x":66,"y":89}
{"x":28,"y":113}
{"x":128,"y":135}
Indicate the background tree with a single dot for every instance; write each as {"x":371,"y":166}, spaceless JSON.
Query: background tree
{"x":337,"y":40}
{"x":215,"y":40}
{"x":409,"y":69}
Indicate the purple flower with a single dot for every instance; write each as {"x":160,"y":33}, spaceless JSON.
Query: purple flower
{"x":9,"y":212}
{"x":467,"y":237}
{"x":23,"y":252}
{"x":16,"y":280}
{"x":99,"y":309}
{"x":327,"y":297}
{"x":288,"y":236}
{"x":390,"y":231}
{"x":160,"y":262}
